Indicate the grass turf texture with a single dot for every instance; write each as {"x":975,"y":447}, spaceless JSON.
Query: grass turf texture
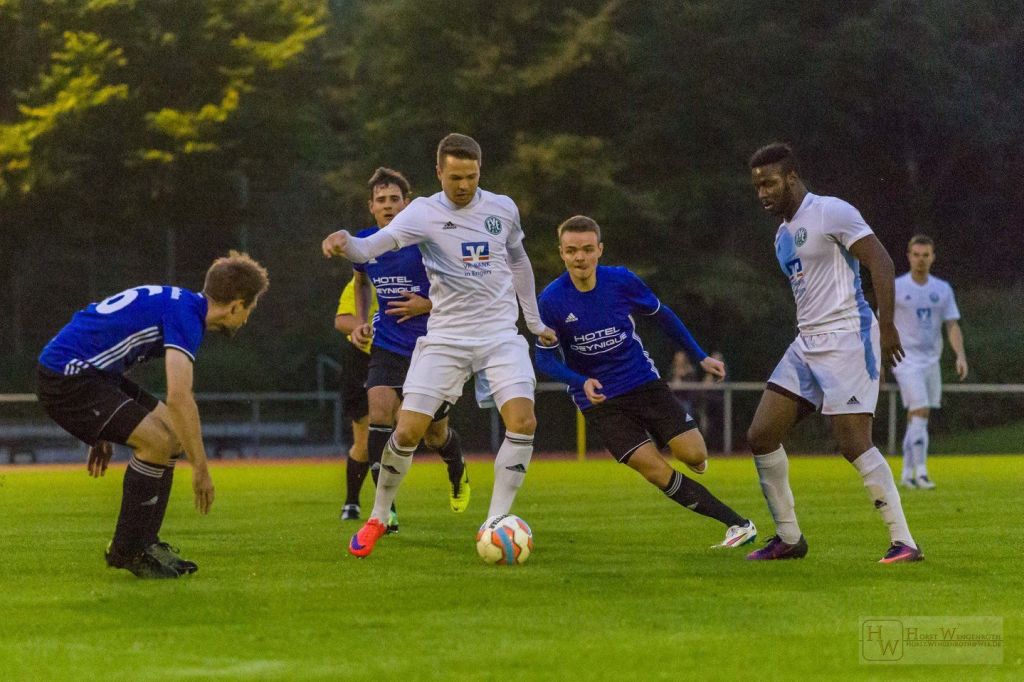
{"x":622,"y":583}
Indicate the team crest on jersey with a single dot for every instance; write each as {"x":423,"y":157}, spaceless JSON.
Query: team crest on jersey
{"x":476,"y":258}
{"x":933,"y":297}
{"x":801,"y":237}
{"x":493,"y":224}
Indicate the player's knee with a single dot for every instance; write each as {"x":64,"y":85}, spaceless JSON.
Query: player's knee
{"x":407,"y":437}
{"x":689,"y":447}
{"x":437,"y":435}
{"x":760,"y":440}
{"x":525,"y":424}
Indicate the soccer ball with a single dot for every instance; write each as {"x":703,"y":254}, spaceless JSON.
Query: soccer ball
{"x":504,"y":539}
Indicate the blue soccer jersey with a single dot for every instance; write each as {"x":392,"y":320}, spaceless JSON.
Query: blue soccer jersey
{"x":596,"y":331}
{"x":125,"y":329}
{"x":393,"y":273}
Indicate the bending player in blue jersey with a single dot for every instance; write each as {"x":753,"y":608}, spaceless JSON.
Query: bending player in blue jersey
{"x":924,"y":305}
{"x":81,"y":385}
{"x":613,"y":380}
{"x":402,"y":291}
{"x":834,"y":363}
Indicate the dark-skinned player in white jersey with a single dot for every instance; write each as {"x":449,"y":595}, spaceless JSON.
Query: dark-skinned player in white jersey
{"x":834,"y":364}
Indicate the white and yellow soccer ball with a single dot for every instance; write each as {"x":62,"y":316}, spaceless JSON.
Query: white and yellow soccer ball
{"x":504,"y":539}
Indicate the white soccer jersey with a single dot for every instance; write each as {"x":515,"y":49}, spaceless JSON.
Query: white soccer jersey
{"x":465,"y":253}
{"x":813,"y":251}
{"x":921,"y":309}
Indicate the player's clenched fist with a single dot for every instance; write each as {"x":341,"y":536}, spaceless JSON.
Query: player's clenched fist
{"x":335,"y":243}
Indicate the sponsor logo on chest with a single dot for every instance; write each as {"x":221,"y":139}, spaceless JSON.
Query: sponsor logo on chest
{"x":600,"y":341}
{"x":476,"y":258}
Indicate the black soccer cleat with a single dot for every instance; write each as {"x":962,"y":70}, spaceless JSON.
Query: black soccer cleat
{"x":143,"y":565}
{"x":350,"y":512}
{"x":168,"y":556}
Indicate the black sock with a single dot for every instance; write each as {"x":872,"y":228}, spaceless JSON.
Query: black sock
{"x":355,"y":474}
{"x":379,"y":436}
{"x":696,"y":497}
{"x":142,"y":484}
{"x":451,"y":453}
{"x":160,"y":508}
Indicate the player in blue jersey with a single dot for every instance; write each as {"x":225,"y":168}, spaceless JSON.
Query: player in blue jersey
{"x":402,"y":290}
{"x":82,"y":387}
{"x":614,"y":382}
{"x":835,"y":361}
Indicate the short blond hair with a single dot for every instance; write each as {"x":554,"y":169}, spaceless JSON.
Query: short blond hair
{"x":235,"y":277}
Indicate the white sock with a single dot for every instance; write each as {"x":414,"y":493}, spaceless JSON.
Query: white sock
{"x":909,"y":456}
{"x":882,"y":487}
{"x":920,"y":426}
{"x":394,"y":465}
{"x":509,"y":471}
{"x":773,"y":470}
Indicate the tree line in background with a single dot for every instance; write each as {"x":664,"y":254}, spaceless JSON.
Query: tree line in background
{"x":139,"y":139}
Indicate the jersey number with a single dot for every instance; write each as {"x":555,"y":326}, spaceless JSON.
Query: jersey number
{"x":124,"y":299}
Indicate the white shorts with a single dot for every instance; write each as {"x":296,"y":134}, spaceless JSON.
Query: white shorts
{"x":837,"y":372}
{"x":440,"y":367}
{"x":920,"y":385}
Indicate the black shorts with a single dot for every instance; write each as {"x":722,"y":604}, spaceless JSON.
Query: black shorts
{"x":93,"y":405}
{"x":387,"y":369}
{"x":627,"y":421}
{"x":353,"y":376}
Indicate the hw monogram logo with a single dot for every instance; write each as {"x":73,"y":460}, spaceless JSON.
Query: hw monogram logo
{"x":476,"y":252}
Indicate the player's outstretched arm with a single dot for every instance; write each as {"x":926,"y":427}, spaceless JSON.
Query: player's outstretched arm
{"x":185,"y":420}
{"x":526,"y":292}
{"x":677,"y":331}
{"x":358,"y":249}
{"x":872,"y":255}
{"x":549,"y":362}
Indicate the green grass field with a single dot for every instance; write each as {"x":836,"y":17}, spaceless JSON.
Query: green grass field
{"x":622,"y":584}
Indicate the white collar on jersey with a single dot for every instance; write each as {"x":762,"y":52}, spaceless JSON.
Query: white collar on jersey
{"x":808,"y":198}
{"x":449,"y":204}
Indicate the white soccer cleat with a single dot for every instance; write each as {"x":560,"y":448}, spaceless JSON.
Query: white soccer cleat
{"x":737,"y":536}
{"x":698,"y":469}
{"x":910,"y":483}
{"x":925,"y":483}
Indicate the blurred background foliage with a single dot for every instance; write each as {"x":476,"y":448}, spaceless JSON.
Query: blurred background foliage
{"x":140,"y":139}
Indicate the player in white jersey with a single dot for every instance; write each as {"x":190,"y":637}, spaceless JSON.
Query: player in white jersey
{"x":835,"y":361}
{"x":472,"y":246}
{"x":924,"y":304}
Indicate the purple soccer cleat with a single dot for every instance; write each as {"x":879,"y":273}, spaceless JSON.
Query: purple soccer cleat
{"x":777,"y":549}
{"x":899,"y":553}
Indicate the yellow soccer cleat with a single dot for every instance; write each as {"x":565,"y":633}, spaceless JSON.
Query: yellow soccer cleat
{"x":458,"y":498}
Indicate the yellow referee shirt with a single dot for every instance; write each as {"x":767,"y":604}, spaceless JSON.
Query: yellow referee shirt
{"x":347,"y":306}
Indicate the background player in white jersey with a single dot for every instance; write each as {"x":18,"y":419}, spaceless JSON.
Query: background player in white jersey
{"x":81,"y":385}
{"x":924,"y":304}
{"x":472,"y":246}
{"x":834,"y":363}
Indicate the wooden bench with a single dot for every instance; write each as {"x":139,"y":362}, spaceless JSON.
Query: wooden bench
{"x":20,"y":442}
{"x":222,"y":437}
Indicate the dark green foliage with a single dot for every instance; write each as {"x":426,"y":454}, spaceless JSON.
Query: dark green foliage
{"x":139,"y":140}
